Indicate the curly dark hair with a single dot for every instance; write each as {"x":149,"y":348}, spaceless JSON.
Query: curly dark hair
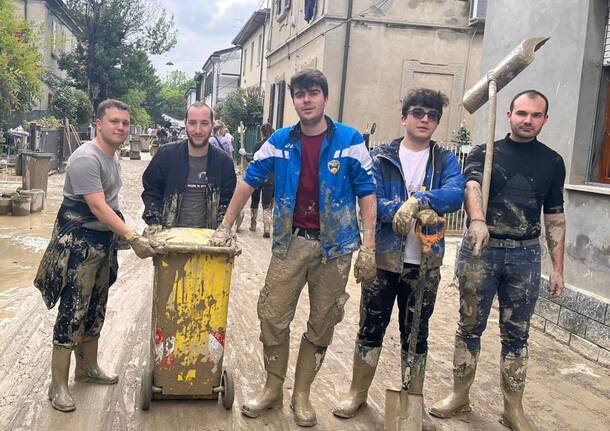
{"x":424,"y":97}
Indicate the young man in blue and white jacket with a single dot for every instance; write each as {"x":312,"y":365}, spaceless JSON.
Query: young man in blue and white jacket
{"x":321,"y":167}
{"x":412,"y":173}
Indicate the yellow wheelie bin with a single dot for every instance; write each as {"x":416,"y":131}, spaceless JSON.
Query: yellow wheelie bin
{"x":191,"y":290}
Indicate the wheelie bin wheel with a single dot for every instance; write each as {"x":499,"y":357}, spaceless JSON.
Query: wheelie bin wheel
{"x":146,"y":390}
{"x":228,"y":393}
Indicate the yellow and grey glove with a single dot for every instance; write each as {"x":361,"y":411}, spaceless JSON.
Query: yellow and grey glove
{"x":365,"y":268}
{"x":140,"y":245}
{"x":401,"y":223}
{"x":223,"y":237}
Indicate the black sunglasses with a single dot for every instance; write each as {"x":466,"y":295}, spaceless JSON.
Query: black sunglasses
{"x":420,"y":113}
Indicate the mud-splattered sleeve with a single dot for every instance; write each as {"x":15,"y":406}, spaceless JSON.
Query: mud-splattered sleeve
{"x":473,"y":169}
{"x":450,"y":195}
{"x":263,"y":163}
{"x":360,"y":167}
{"x":386,"y":206}
{"x":153,"y":181}
{"x":553,"y":204}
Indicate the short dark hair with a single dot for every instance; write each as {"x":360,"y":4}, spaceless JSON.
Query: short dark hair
{"x":199,"y":105}
{"x":306,"y":79}
{"x":424,"y":97}
{"x":109,"y":104}
{"x":267,"y":130}
{"x":532,"y":94}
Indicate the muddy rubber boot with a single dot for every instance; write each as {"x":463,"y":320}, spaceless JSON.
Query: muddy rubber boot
{"x":253,"y":214}
{"x":513,"y":371}
{"x":267,"y":219}
{"x":464,"y":370}
{"x":240,"y":218}
{"x":416,"y":387}
{"x":365,"y":364}
{"x":309,"y":362}
{"x":59,"y":394}
{"x":272,"y":395}
{"x":87,"y":369}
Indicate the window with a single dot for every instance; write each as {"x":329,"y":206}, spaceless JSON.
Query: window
{"x":243,"y":66}
{"x":271,"y":104}
{"x":281,"y":95}
{"x":281,"y":8}
{"x":251,"y":55}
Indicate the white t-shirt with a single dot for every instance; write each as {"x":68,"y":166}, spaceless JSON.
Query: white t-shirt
{"x":414,"y":170}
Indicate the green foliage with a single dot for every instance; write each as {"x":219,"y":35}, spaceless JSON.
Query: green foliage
{"x":113,"y":58}
{"x":20,"y":69}
{"x":461,"y":136}
{"x":135,"y":99}
{"x":68,"y":102}
{"x":47,"y":123}
{"x":173,"y":88}
{"x":242,"y":105}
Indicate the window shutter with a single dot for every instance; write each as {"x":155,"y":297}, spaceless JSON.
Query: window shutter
{"x":271,"y":104}
{"x":281,"y":95}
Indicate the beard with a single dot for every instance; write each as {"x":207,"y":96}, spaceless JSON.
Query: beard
{"x":198,"y":144}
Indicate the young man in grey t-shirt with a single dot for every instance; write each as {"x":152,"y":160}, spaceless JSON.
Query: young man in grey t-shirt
{"x":80,"y":262}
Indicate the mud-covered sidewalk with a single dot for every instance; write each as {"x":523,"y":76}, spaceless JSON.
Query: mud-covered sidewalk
{"x":564,"y":390}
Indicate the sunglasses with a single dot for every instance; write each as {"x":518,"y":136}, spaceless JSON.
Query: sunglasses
{"x":419,"y":113}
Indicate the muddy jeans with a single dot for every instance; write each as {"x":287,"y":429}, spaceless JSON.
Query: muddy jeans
{"x":377,"y":301}
{"x":514,"y":273}
{"x":286,"y":278}
{"x":83,"y":299}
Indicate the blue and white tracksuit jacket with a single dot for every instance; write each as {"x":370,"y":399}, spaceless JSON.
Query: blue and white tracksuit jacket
{"x":443,"y":191}
{"x":344,"y":174}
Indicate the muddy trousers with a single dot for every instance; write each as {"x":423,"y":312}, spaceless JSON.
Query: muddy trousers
{"x":266,"y":192}
{"x":512,"y":273}
{"x":286,"y":278}
{"x":377,"y":302}
{"x":82,"y":304}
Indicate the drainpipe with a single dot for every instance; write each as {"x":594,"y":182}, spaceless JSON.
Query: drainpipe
{"x":348,"y":33}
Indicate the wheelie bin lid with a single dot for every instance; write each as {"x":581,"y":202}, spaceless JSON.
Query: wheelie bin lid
{"x":184,"y":240}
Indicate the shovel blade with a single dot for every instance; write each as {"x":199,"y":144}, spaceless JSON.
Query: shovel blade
{"x":403,"y":411}
{"x":392,"y":410}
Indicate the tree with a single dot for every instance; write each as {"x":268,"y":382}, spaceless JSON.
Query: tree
{"x":68,"y":102}
{"x":20,"y":59}
{"x":241,"y":105}
{"x":116,"y":31}
{"x":173,"y":88}
{"x":138,"y":114}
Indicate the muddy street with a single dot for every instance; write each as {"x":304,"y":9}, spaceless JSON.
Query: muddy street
{"x":563,"y":391}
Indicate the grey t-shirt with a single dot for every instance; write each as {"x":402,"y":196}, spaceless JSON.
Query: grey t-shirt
{"x":90,"y":170}
{"x":193,"y":207}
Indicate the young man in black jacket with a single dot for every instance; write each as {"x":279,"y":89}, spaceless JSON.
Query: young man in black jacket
{"x":189,"y":183}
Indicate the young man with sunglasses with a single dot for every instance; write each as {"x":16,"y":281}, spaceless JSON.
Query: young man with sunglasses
{"x":412,"y":173}
{"x":321,"y":167}
{"x":501,"y":254}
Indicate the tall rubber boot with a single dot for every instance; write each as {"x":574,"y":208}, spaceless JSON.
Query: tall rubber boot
{"x":87,"y":369}
{"x":513,"y":371}
{"x":272,"y":395}
{"x":59,"y":394}
{"x":253,"y":214}
{"x":240,"y":218}
{"x":464,"y":370}
{"x":416,"y":387}
{"x":365,"y":364}
{"x":308,"y":364}
{"x":267,"y":220}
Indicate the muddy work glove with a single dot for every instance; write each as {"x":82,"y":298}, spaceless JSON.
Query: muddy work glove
{"x":478,"y":235}
{"x":403,"y":219}
{"x":140,"y":245}
{"x":223,"y":237}
{"x":152,"y":230}
{"x":429,"y":217}
{"x":365,"y":268}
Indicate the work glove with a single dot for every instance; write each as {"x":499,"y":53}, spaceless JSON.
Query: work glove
{"x":401,"y":223}
{"x":140,"y":245}
{"x":223,"y":237}
{"x":152,"y":230}
{"x":478,"y":235}
{"x":365,"y":268}
{"x":429,"y":217}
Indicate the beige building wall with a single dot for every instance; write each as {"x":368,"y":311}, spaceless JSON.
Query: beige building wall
{"x":254,"y":63}
{"x":404,"y":45}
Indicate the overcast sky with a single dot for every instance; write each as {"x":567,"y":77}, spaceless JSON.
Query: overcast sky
{"x":204,"y":26}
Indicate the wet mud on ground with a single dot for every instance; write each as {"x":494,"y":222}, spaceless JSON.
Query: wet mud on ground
{"x":563,"y":391}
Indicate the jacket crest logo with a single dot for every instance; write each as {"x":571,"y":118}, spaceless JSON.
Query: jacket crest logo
{"x":334,"y":166}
